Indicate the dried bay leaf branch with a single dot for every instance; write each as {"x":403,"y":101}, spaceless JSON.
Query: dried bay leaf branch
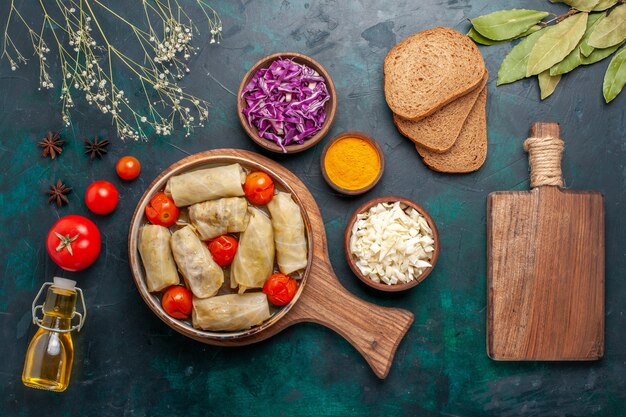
{"x":575,"y":58}
{"x":589,"y":32}
{"x":558,"y":41}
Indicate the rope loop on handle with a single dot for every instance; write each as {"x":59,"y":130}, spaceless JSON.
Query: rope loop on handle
{"x":544,"y":157}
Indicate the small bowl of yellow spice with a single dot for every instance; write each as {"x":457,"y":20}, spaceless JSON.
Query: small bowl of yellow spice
{"x":352,"y":163}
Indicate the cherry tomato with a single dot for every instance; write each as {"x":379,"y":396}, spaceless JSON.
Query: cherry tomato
{"x":176,"y":302}
{"x":280,"y":289}
{"x":223,"y":249}
{"x":101,"y":197}
{"x":73,"y":242}
{"x":128,"y":167}
{"x":259,"y":188}
{"x":162,"y":211}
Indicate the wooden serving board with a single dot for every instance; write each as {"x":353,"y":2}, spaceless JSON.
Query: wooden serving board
{"x":373,"y":330}
{"x":545,"y":282}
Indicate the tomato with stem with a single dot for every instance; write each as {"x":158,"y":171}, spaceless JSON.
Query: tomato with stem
{"x":73,"y":242}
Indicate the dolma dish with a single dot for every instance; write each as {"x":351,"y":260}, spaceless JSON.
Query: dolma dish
{"x":239,"y":245}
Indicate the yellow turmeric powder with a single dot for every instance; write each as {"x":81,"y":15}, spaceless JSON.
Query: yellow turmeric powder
{"x":352,"y":163}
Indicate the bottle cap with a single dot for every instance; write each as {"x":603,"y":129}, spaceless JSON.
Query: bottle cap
{"x":64,"y":283}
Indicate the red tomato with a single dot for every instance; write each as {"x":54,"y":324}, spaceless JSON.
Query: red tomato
{"x":101,"y":197}
{"x":162,"y":211}
{"x":176,"y":302}
{"x":259,"y":188}
{"x":280,"y":289}
{"x":73,"y":242}
{"x":128,"y":167}
{"x":223,"y":249}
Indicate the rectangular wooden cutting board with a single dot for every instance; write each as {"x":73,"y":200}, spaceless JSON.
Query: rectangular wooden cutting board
{"x":545,"y":264}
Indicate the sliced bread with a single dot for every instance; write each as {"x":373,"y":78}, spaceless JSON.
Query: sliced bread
{"x":430,"y":69}
{"x":470,"y":149}
{"x":438,"y":132}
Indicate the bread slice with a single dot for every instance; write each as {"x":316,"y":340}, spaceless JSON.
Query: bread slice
{"x":430,"y":69}
{"x":470,"y":149}
{"x":438,"y":132}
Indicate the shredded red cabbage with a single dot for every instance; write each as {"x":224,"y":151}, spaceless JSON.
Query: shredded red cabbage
{"x":286,"y":102}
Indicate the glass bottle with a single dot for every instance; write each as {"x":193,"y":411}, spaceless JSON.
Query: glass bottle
{"x":50,"y":354}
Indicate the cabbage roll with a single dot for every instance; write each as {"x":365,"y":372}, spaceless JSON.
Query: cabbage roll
{"x":254,"y":260}
{"x":288,"y":226}
{"x":230,"y":312}
{"x":214,"y":218}
{"x":202,"y":275}
{"x":206,"y":184}
{"x":156,"y":255}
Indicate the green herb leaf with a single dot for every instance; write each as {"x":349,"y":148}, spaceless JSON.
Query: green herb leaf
{"x":582,"y":5}
{"x":507,"y":24}
{"x":514,"y":65}
{"x":611,"y":30}
{"x":605,"y":4}
{"x":592,"y":22}
{"x":478,"y":38}
{"x":615,"y":76}
{"x":558,"y":41}
{"x":599,"y":54}
{"x":576,"y":58}
{"x":547,"y":83}
{"x":572,"y":61}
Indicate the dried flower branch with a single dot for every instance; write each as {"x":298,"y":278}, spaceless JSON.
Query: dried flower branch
{"x":90,"y":60}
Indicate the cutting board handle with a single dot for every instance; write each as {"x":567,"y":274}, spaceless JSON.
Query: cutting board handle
{"x":545,"y":149}
{"x":374,"y":331}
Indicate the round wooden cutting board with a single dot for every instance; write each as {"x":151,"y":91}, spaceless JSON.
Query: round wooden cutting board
{"x":373,"y":330}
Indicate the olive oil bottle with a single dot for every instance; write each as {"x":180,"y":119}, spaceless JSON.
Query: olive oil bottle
{"x":50,"y":354}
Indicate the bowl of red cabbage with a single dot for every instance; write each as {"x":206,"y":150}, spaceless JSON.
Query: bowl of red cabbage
{"x":287,"y":102}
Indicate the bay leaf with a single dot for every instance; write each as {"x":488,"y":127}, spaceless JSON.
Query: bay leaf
{"x":478,"y":38}
{"x":558,"y":41}
{"x":611,"y":30}
{"x":604,"y":4}
{"x":507,"y":24}
{"x":576,"y":58}
{"x":593,"y":20}
{"x":615,"y":76}
{"x":530,"y":31}
{"x":582,"y":5}
{"x":600,"y":54}
{"x":572,"y":61}
{"x":547,"y":83}
{"x":514,"y":65}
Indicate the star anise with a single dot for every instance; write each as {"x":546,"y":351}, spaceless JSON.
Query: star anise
{"x":96,"y":148}
{"x":58,"y":193}
{"x":52,"y":144}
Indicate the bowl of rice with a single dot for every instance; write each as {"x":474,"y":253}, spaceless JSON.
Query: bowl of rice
{"x":391,"y":243}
